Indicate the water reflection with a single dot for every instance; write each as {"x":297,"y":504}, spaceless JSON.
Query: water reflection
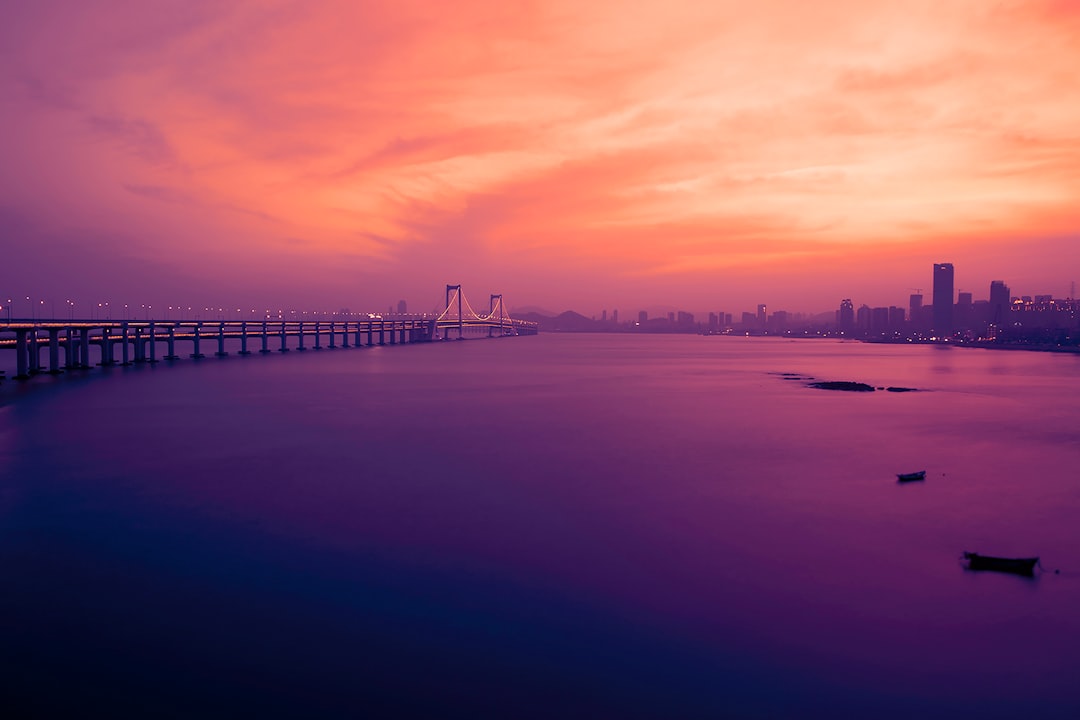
{"x":571,"y":525}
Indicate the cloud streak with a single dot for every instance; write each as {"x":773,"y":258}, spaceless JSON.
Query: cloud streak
{"x":696,"y":145}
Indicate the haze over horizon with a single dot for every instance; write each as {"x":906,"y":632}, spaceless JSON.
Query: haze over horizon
{"x":695,"y":155}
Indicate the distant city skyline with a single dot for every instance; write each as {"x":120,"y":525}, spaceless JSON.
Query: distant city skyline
{"x":27,"y":306}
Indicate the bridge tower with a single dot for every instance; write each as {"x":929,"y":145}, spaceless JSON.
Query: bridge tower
{"x":461,"y":318}
{"x":491,"y":311}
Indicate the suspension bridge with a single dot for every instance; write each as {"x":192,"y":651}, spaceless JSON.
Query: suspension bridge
{"x":79,"y":345}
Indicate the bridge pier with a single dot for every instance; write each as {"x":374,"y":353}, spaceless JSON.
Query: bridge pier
{"x":106,"y":347}
{"x":125,"y":352}
{"x":35,"y":353}
{"x":70,"y":349}
{"x":243,"y":339}
{"x":283,"y":348}
{"x":198,"y":337}
{"x":264,"y":340}
{"x":318,"y":335}
{"x":358,"y":342}
{"x":333,"y":332}
{"x":140,"y":346}
{"x":382,"y":332}
{"x":345,"y":334}
{"x":221,"y":341}
{"x":300,"y":339}
{"x":22,"y":352}
{"x":153,"y":343}
{"x":84,"y":340}
{"x":172,"y":344}
{"x":54,"y":351}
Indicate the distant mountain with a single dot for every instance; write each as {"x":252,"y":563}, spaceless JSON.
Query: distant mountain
{"x":531,"y":310}
{"x":568,"y":321}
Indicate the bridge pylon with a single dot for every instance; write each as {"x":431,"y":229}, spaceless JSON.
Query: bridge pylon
{"x":460,"y":316}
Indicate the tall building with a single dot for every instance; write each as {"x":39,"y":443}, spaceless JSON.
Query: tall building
{"x":999,"y":301}
{"x":643,"y":316}
{"x":761,"y":315}
{"x":964,"y":312}
{"x":915,"y":312}
{"x":862,"y":318}
{"x":943,"y":299}
{"x":847,"y":316}
{"x":896,"y":318}
{"x":402,"y":307}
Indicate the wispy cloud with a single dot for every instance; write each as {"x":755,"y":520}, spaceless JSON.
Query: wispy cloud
{"x":677,"y":141}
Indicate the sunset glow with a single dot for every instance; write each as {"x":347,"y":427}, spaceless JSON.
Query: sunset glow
{"x":591,"y":156}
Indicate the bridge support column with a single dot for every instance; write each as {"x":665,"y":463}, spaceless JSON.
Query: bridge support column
{"x":382,"y":332}
{"x":301,"y":347}
{"x":70,"y":349}
{"x":54,"y":351}
{"x":333,"y":332}
{"x":125,"y":352}
{"x":84,"y":341}
{"x":283,"y":348}
{"x":345,"y":334}
{"x":370,"y":332}
{"x":318,"y":335}
{"x":358,"y":340}
{"x":22,"y":351}
{"x":140,"y":348}
{"x":264,"y":340}
{"x":221,"y":341}
{"x":35,"y":353}
{"x":172,"y":344}
{"x":153,"y":343}
{"x":106,"y":347}
{"x":243,"y":339}
{"x":198,"y":337}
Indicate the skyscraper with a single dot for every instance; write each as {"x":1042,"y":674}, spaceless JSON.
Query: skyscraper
{"x":943,"y":299}
{"x":847,"y":316}
{"x":999,"y":301}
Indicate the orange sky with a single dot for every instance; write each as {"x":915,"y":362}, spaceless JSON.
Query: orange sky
{"x":695,"y":155}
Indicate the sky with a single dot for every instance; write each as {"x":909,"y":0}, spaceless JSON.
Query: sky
{"x":602,"y":155}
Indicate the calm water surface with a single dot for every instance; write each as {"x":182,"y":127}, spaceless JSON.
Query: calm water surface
{"x":557,"y":526}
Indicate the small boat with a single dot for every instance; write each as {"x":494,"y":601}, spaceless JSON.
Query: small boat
{"x":908,"y":477}
{"x":1016,"y":566}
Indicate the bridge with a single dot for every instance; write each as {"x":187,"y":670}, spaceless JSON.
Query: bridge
{"x":83,"y":344}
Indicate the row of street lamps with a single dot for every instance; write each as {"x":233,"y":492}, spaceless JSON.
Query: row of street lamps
{"x":104,"y":311}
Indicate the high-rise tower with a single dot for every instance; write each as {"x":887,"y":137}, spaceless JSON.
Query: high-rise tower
{"x":943,"y":299}
{"x":999,"y":301}
{"x":846,"y":316}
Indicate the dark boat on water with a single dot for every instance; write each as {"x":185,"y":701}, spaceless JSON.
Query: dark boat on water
{"x":1016,"y":566}
{"x":909,"y":477}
